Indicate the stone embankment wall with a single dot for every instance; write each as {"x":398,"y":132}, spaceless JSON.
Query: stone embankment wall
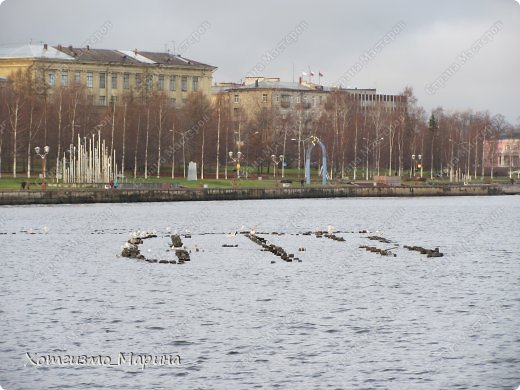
{"x":126,"y":196}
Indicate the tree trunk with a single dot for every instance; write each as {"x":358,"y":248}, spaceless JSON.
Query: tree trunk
{"x":202,"y":157}
{"x":124,"y":142}
{"x":58,"y":151}
{"x":29,"y":151}
{"x":218,"y":143}
{"x":14,"y":127}
{"x":137,"y":145}
{"x":159,"y":141}
{"x":73,"y":122}
{"x":113,"y":128}
{"x":146,"y":143}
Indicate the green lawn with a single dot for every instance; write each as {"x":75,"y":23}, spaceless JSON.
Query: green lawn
{"x":9,"y":183}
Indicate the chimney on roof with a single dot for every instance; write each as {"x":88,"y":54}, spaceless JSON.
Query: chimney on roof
{"x":70,"y":47}
{"x":256,"y":83}
{"x":88,"y":47}
{"x":45,"y":46}
{"x":60,"y":47}
{"x":135,"y":51}
{"x":300,"y":80}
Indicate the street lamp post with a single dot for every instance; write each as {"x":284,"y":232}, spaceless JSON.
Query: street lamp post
{"x":236,"y":160}
{"x":413,"y":165}
{"x":173,"y":152}
{"x":183,"y":156}
{"x":276,"y":160}
{"x":42,"y":155}
{"x":418,"y":164}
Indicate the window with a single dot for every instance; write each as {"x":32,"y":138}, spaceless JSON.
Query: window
{"x":297,"y":99}
{"x":173,"y":101}
{"x":138,"y":80}
{"x":90,"y":80}
{"x":52,"y":79}
{"x":113,"y":99}
{"x":161,"y":82}
{"x":173,"y":83}
{"x":314,"y":101}
{"x":184,"y":83}
{"x":64,"y":78}
{"x":195,"y":83}
{"x":77,"y":78}
{"x":102,"y":80}
{"x":286,"y":101}
{"x":237,"y":98}
{"x":149,"y":81}
{"x":126,"y":81}
{"x":277,"y":98}
{"x":114,"y":80}
{"x":102,"y":100}
{"x":264,"y":98}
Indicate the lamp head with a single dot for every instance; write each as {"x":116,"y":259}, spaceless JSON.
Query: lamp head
{"x":46,"y":149}
{"x":37,"y":150}
{"x":230,"y":154}
{"x":239,"y":154}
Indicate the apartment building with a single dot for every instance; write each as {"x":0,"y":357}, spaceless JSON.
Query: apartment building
{"x":108,"y":74}
{"x":256,"y":93}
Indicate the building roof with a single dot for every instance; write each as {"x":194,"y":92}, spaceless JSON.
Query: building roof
{"x":252,"y":83}
{"x":98,"y":55}
{"x":515,"y":135}
{"x":268,"y":84}
{"x":132,"y":57}
{"x":170,"y":59}
{"x":32,"y":51}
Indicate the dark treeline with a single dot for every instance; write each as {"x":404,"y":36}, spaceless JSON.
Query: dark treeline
{"x":150,"y":137}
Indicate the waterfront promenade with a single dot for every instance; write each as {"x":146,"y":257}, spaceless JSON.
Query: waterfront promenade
{"x":77,"y":196}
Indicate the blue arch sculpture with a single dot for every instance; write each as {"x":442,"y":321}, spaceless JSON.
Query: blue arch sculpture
{"x":315,"y":140}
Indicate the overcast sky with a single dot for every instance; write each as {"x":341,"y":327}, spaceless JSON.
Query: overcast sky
{"x":237,"y":36}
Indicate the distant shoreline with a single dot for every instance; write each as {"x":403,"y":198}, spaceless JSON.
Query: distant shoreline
{"x":85,"y":196}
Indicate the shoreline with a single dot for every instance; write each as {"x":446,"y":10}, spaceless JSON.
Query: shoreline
{"x":84,"y":196}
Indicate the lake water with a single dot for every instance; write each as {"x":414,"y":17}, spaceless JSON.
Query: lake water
{"x":342,"y":318}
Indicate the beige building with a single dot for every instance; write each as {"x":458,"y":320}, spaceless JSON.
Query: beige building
{"x":108,"y":74}
{"x":257,"y":93}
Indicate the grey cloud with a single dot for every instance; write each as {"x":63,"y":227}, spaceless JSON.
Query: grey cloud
{"x":338,"y":33}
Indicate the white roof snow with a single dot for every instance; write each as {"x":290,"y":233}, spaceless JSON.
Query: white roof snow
{"x":32,"y":51}
{"x":137,"y":56}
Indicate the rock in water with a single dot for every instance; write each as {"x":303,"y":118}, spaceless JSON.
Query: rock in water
{"x":176,"y":241}
{"x":182,"y":255}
